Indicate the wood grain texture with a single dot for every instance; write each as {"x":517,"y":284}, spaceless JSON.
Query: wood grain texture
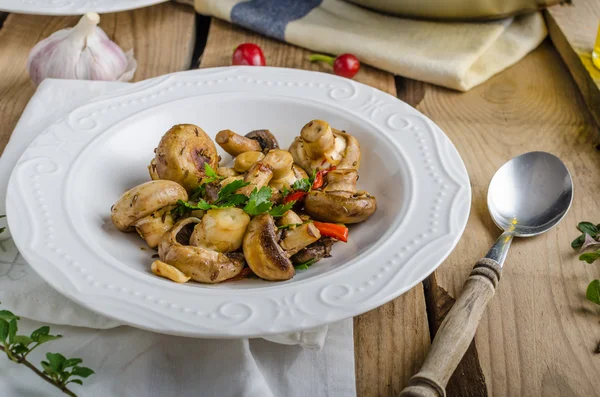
{"x":456,"y":332}
{"x":573,"y":30}
{"x":468,"y":379}
{"x":161,"y":36}
{"x":538,"y":334}
{"x":390,"y":342}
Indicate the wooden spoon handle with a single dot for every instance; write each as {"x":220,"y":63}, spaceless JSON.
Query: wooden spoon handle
{"x":456,"y":332}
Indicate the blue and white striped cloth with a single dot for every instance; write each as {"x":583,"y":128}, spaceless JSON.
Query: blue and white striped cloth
{"x":457,"y":55}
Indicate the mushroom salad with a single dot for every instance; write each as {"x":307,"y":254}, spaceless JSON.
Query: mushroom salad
{"x":271,"y":213}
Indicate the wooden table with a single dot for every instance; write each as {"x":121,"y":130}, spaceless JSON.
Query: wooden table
{"x":538,"y":335}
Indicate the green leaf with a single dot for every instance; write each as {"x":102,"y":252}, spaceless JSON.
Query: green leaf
{"x":305,"y":265}
{"x":12,"y":330}
{"x":23,"y":340}
{"x":56,"y":361}
{"x":289,"y":225}
{"x":47,"y":338}
{"x":198,"y":193}
{"x":302,"y":184}
{"x":588,"y":227}
{"x":280,"y":210}
{"x":259,"y":201}
{"x":590,"y":257}
{"x":35,"y":335}
{"x":211,"y":173}
{"x":230,"y":189}
{"x":578,"y":242}
{"x":234,"y":200}
{"x":285,"y":191}
{"x":20,"y":349}
{"x":72,"y":362}
{"x":6,"y":315}
{"x":78,"y":381}
{"x":48,"y":368}
{"x":593,"y":292}
{"x":3,"y":330}
{"x":312,"y":177}
{"x":82,"y":372}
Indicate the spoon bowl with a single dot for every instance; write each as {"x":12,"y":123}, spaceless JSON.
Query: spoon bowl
{"x":530,"y":194}
{"x":527,"y":196}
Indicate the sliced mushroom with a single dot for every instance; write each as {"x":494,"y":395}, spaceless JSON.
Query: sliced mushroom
{"x":140,"y":208}
{"x":320,"y":147}
{"x":182,"y":154}
{"x":341,"y":180}
{"x":200,"y":264}
{"x":244,"y":161}
{"x":152,"y":227}
{"x":165,"y":270}
{"x":258,"y":175}
{"x":351,"y":155}
{"x":227,"y":172}
{"x":235,"y":144}
{"x":314,"y":252}
{"x":282,"y":162}
{"x":263,"y":254}
{"x":221,"y":230}
{"x":339,"y":207}
{"x":299,"y":235}
{"x":266,"y":140}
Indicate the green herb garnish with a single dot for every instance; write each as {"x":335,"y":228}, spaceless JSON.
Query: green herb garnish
{"x":305,"y":265}
{"x":58,"y":370}
{"x":585,"y":228}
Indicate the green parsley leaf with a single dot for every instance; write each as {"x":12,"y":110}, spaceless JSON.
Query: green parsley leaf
{"x":184,"y":207}
{"x":590,"y":257}
{"x":259,"y":201}
{"x":290,"y":226}
{"x":285,"y":191}
{"x":593,"y":292}
{"x":305,"y":265}
{"x":280,"y":210}
{"x":312,"y":177}
{"x":198,"y":193}
{"x":229,"y":190}
{"x":589,"y":228}
{"x":302,"y":184}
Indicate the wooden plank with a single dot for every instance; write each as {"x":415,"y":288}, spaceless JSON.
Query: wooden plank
{"x":390,"y":342}
{"x":162,"y":37}
{"x":538,"y":335}
{"x":573,"y":30}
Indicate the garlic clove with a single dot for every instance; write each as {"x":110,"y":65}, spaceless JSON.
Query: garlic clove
{"x":83,"y":52}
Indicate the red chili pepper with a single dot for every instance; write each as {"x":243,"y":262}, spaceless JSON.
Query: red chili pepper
{"x":338,"y":232}
{"x":320,"y":177}
{"x":296,"y":196}
{"x":248,"y":54}
{"x":345,"y":65}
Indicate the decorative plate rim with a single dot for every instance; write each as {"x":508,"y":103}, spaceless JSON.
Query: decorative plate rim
{"x":73,"y":7}
{"x":433,"y":166}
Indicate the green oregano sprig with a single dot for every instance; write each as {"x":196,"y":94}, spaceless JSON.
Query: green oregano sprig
{"x":58,"y":370}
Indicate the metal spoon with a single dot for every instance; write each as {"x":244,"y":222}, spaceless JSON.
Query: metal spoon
{"x":527,"y":196}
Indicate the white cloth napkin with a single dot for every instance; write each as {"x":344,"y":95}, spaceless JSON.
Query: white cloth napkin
{"x":158,"y":365}
{"x":458,"y":55}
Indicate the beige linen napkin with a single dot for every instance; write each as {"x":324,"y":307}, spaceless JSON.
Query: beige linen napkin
{"x":458,"y":55}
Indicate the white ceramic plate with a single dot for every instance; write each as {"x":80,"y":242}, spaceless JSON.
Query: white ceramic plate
{"x":61,"y":191}
{"x":72,"y":7}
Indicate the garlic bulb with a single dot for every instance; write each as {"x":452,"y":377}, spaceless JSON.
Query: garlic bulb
{"x":82,"y":52}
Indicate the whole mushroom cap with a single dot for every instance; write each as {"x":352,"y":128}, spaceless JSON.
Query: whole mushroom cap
{"x":143,"y":200}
